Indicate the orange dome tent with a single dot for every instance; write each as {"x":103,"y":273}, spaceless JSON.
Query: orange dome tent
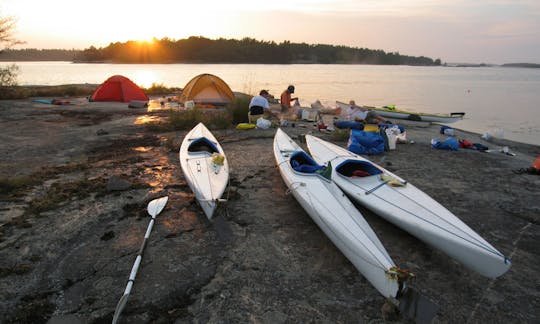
{"x":118,"y":88}
{"x":207,"y":89}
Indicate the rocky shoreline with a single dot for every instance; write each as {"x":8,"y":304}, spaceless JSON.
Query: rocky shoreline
{"x":68,"y":241}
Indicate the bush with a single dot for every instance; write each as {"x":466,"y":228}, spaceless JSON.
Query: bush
{"x":341,"y":135}
{"x":10,"y":185}
{"x":8,"y":76}
{"x":239,"y":108}
{"x":187,"y":119}
{"x":160,"y":89}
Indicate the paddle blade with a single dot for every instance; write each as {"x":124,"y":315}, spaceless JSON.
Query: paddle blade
{"x":156,"y":206}
{"x":119,"y":308}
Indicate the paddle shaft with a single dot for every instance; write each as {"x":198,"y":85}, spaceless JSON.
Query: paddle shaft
{"x":154,"y":208}
{"x":122,"y":302}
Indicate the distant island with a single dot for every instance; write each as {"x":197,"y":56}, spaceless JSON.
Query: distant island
{"x":247,"y":50}
{"x":204,"y":50}
{"x":525,"y":65}
{"x":521,"y":65}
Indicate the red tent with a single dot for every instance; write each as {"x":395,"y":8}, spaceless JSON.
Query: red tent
{"x":118,"y":88}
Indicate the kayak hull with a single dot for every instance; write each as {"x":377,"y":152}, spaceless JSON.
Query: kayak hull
{"x":205,"y":167}
{"x":406,"y":206}
{"x":400,"y":114}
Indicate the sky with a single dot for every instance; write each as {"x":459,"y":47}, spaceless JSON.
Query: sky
{"x":455,"y":31}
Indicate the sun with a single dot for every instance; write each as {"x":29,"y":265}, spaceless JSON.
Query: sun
{"x":151,"y":41}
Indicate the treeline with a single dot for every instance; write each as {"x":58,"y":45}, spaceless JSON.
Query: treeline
{"x":204,"y":50}
{"x":33,"y":54}
{"x":246,"y":50}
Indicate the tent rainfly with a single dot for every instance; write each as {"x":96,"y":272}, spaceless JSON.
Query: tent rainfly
{"x":118,"y":88}
{"x":207,"y":89}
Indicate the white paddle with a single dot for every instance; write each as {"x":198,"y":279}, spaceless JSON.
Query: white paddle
{"x":154,"y":208}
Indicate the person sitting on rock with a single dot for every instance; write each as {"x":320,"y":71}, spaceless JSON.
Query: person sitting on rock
{"x":363,"y":114}
{"x":259,"y":107}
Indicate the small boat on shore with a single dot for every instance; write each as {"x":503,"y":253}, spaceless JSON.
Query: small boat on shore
{"x":337,"y":217}
{"x":205,"y":167}
{"x":392,"y":112}
{"x":406,"y":206}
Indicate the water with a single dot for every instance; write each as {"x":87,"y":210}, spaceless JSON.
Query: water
{"x":495,"y":99}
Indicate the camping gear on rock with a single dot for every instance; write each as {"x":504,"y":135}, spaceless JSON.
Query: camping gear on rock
{"x":205,"y":167}
{"x":245,"y":126}
{"x":448,"y":144}
{"x":347,"y":124}
{"x":207,"y":90}
{"x":58,"y":102}
{"x":534,"y":169}
{"x":361,"y":142}
{"x":154,"y":208}
{"x":406,"y":206}
{"x":263,"y":123}
{"x":335,"y":214}
{"x":392,"y":140}
{"x":391,"y":134}
{"x":398,"y":132}
{"x":392,"y":112}
{"x":447,"y":130}
{"x":138,"y":104}
{"x":118,"y":88}
{"x":373,"y":128}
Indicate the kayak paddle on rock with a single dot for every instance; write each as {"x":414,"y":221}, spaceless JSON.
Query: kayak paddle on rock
{"x":154,"y":208}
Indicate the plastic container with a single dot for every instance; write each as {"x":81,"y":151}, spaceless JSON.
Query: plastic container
{"x":392,"y":139}
{"x":189,"y":104}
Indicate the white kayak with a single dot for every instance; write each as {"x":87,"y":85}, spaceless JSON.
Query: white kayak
{"x":408,"y":207}
{"x":335,"y":214}
{"x":392,"y":112}
{"x":205,"y":167}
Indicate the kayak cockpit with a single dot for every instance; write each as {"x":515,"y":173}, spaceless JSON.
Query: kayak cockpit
{"x":202,"y":145}
{"x":357,"y":169}
{"x":303,"y":163}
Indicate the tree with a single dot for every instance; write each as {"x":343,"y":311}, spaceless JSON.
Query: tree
{"x":8,"y":75}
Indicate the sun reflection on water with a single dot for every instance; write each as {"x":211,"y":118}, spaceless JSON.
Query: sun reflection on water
{"x":145,"y":78}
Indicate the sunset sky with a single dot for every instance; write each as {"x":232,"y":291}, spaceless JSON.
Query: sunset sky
{"x":482,"y":31}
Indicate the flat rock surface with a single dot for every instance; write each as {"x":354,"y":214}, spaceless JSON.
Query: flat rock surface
{"x":69,"y":237}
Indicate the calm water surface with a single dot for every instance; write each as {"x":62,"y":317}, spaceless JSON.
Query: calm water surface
{"x":493,"y":98}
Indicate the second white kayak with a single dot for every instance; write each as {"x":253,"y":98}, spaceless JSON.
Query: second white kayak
{"x":408,"y":207}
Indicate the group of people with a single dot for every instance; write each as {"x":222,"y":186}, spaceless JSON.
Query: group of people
{"x":259,"y":106}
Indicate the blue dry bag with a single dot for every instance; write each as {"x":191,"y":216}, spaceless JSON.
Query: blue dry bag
{"x":361,"y":142}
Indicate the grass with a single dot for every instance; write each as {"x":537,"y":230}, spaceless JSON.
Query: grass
{"x":160,"y":89}
{"x":341,"y":135}
{"x":233,"y":114}
{"x":15,"y":184}
{"x":23,"y":92}
{"x":63,"y":192}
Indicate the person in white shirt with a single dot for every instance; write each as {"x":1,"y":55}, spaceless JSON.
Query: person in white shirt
{"x":361,"y":113}
{"x":259,"y":106}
